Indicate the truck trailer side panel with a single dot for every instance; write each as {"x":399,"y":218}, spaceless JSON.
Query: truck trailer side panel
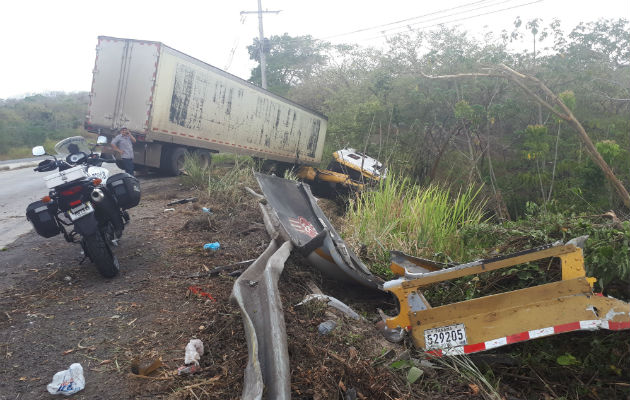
{"x":190,"y":103}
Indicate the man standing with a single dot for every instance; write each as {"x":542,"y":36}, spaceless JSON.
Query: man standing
{"x":123,"y":144}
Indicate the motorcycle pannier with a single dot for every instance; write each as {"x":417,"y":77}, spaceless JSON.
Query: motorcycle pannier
{"x":125,"y":188}
{"x":43,"y":219}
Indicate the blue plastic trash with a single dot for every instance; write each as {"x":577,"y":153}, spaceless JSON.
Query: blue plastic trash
{"x":212,"y":246}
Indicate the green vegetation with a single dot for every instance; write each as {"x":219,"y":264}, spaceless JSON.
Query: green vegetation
{"x":401,"y":215}
{"x":482,"y":131}
{"x":39,"y":120}
{"x":225,"y":177}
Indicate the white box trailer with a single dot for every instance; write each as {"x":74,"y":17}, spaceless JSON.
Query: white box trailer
{"x":175,"y":103}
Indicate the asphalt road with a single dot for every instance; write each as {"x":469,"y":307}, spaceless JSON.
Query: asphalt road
{"x":19,"y":188}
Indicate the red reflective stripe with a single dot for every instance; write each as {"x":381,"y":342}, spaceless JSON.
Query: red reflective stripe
{"x":473,"y":348}
{"x":519,"y":337}
{"x":573,"y":326}
{"x":617,"y":326}
{"x":74,"y":203}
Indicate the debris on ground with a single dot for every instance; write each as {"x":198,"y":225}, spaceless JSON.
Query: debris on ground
{"x":145,"y":371}
{"x":214,"y":246}
{"x":67,"y":382}
{"x":332,"y":302}
{"x":194,"y":351}
{"x":182,"y":201}
{"x":326,"y":327}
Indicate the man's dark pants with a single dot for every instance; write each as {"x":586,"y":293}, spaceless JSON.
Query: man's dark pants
{"x":127,"y":164}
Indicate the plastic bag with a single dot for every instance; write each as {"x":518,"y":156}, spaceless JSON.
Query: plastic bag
{"x":194,"y":350}
{"x":67,"y":382}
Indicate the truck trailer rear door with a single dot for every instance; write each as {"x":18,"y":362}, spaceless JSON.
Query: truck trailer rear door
{"x":123,"y":81}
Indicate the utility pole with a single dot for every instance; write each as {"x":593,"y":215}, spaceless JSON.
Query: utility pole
{"x":261,"y":39}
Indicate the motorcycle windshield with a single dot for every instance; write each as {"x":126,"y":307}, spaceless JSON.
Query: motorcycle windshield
{"x":72,"y":145}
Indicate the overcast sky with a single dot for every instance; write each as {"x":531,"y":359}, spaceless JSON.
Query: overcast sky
{"x":50,"y":45}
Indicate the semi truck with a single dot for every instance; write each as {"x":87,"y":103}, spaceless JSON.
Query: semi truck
{"x":176,"y":104}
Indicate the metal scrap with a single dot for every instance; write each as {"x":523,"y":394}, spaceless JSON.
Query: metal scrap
{"x":268,"y":364}
{"x":332,"y":302}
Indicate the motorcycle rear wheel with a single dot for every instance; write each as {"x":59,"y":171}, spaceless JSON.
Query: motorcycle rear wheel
{"x":101,"y":254}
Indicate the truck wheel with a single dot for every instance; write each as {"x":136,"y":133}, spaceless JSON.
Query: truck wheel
{"x":204,"y":158}
{"x":174,"y":162}
{"x":101,"y":254}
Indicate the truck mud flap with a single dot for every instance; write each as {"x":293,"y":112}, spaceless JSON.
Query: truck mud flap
{"x":497,"y":320}
{"x":293,"y":208}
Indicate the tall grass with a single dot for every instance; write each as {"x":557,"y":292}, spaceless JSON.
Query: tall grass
{"x":196,"y":175}
{"x":225,"y":176}
{"x":417,"y":220}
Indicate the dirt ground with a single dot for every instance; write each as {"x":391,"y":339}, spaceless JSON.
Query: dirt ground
{"x":56,"y":311}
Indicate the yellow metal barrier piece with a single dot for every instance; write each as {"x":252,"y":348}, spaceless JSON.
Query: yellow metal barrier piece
{"x":501,"y":319}
{"x":316,"y":174}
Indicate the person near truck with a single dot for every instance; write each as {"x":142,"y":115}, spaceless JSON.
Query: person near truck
{"x":123,"y":145}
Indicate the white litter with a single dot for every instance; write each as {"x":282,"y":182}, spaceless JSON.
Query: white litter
{"x":194,"y":350}
{"x":67,"y":382}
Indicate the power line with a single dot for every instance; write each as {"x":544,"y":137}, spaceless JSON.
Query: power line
{"x":457,"y":20}
{"x":236,"y":42}
{"x":449,"y":15}
{"x":407,"y":19}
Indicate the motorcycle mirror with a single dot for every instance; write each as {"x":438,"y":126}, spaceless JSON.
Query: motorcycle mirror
{"x":39,"y":151}
{"x":101,"y":140}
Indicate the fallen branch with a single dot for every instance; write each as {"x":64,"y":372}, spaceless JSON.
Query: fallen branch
{"x":556,"y":107}
{"x":214,"y":271}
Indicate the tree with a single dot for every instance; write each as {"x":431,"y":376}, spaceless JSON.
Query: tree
{"x":533,"y":86}
{"x":290,"y":60}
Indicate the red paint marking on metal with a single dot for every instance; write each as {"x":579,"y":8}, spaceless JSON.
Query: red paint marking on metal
{"x":473,"y":348}
{"x":212,"y":140}
{"x":573,"y":326}
{"x":518,"y":337}
{"x":617,"y":326}
{"x":155,"y":129}
{"x":164,"y":130}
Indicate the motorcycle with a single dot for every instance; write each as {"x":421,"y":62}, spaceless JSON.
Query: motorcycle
{"x":84,"y":201}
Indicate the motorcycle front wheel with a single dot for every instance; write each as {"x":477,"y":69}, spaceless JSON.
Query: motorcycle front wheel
{"x":101,"y":254}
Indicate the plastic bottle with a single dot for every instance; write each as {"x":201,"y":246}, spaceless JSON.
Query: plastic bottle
{"x":212,"y":246}
{"x":326,"y":327}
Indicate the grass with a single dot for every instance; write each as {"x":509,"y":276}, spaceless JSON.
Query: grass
{"x":16,"y":153}
{"x":225,"y":176}
{"x":196,"y":176}
{"x":400,"y":215}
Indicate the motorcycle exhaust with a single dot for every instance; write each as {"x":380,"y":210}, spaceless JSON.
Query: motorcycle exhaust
{"x":97,"y":195}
